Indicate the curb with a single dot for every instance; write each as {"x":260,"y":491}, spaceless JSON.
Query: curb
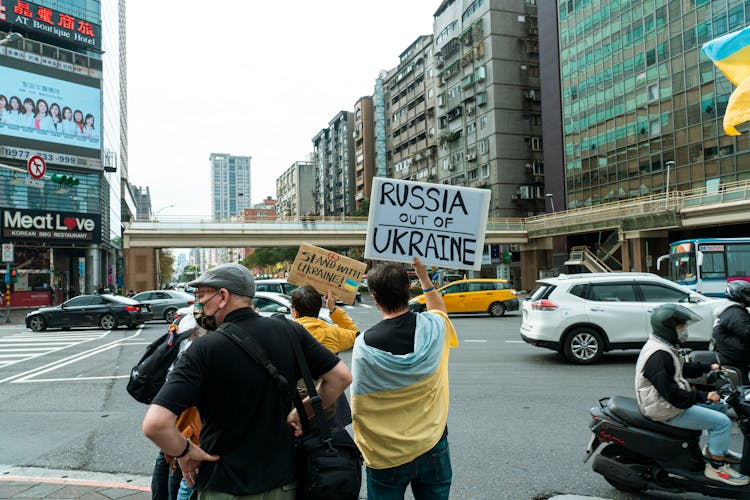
{"x":75,"y":477}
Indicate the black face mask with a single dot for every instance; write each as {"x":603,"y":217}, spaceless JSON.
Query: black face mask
{"x":204,"y":320}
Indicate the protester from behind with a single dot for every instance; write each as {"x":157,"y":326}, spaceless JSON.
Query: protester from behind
{"x":665,"y":396}
{"x":732,"y":328}
{"x":400,"y":391}
{"x":247,"y":447}
{"x":306,"y":304}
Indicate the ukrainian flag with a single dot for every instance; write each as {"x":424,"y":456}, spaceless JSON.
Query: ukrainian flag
{"x":731,"y":54}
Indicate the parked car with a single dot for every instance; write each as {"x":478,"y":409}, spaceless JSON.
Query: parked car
{"x":164,"y":303}
{"x":266,"y":304}
{"x":585,"y":315}
{"x":106,"y":311}
{"x":281,"y":285}
{"x":492,"y":296}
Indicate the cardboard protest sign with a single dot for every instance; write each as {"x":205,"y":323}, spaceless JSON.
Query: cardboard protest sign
{"x":441,"y":224}
{"x":326,"y":270}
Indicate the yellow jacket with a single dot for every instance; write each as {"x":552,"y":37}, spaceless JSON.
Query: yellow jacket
{"x":336,"y":338}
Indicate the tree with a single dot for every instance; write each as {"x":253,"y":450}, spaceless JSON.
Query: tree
{"x":363,"y":210}
{"x":189,"y":273}
{"x":270,"y":257}
{"x":166,"y":266}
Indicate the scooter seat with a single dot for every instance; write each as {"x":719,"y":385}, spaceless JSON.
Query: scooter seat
{"x":627,"y":409}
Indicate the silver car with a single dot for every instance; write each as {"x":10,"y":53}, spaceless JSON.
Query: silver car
{"x":268,"y":304}
{"x":164,"y":303}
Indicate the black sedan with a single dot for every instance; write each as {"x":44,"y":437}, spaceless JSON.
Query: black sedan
{"x":105,"y":311}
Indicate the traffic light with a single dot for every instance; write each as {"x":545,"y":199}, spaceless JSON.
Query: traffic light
{"x":13,"y":275}
{"x":65,"y":180}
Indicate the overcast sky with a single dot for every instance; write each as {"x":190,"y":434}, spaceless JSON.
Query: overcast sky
{"x":249,"y":78}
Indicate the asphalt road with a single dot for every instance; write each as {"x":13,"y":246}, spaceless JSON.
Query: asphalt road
{"x":518,"y":421}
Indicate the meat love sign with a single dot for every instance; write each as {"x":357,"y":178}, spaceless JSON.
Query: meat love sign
{"x":442,"y":225}
{"x":57,"y":227}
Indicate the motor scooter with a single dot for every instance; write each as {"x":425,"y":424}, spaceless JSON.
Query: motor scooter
{"x":708,"y":382}
{"x":638,"y":453}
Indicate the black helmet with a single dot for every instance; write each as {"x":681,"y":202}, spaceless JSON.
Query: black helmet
{"x":738,"y":291}
{"x":666,"y":316}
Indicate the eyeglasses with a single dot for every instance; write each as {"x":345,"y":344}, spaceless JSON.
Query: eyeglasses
{"x":202,"y":293}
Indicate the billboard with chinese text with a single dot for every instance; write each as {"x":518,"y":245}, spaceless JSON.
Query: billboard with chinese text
{"x":49,"y":109}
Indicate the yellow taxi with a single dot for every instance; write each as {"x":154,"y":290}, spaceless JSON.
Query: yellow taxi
{"x":492,"y":296}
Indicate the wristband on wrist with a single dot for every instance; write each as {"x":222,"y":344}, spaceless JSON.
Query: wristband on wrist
{"x":185,"y":451}
{"x":428,"y":290}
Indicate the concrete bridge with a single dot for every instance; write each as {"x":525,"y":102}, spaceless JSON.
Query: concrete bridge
{"x":635,"y":220}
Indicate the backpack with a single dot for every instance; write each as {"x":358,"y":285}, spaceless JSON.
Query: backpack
{"x":150,"y":373}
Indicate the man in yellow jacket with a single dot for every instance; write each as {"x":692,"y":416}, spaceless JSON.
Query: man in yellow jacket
{"x":306,"y":304}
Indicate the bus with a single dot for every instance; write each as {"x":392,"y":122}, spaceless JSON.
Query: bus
{"x":706,"y":265}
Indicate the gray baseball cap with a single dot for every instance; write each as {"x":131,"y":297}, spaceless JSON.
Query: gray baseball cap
{"x":234,"y":277}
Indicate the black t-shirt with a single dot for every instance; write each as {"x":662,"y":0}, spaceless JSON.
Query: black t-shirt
{"x":244,"y":419}
{"x":394,"y":335}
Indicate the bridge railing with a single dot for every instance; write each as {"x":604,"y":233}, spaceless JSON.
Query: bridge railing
{"x":547,"y":224}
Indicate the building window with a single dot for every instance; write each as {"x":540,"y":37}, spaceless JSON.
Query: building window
{"x":482,"y":122}
{"x":470,"y":128}
{"x":653,"y":92}
{"x":536,"y":143}
{"x":485,"y":169}
{"x":484,"y":146}
{"x":481,"y":98}
{"x":473,"y":174}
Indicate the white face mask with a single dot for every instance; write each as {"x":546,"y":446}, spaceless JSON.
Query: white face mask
{"x":682,"y":333}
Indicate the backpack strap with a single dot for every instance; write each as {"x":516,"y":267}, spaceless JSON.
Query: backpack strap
{"x":315,"y":401}
{"x":248,"y":344}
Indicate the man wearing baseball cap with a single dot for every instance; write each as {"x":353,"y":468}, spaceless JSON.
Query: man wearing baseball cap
{"x":249,"y":447}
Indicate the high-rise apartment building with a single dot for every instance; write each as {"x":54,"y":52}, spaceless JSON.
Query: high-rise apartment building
{"x":295,"y":190}
{"x":410,"y":125}
{"x":333,"y":155}
{"x":68,"y":73}
{"x":637,"y":94}
{"x":488,"y":101}
{"x":230,"y":185}
{"x":364,"y":149}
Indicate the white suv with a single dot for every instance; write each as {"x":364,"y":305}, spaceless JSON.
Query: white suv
{"x":585,"y":315}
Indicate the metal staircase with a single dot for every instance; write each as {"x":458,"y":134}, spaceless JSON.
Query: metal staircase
{"x":582,"y":256}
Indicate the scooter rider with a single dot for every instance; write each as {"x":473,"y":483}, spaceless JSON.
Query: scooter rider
{"x":664,"y":395}
{"x":732,"y":328}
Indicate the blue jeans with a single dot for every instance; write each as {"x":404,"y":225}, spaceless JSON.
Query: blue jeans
{"x":717,"y":424}
{"x":185,"y":491}
{"x":430,"y":476}
{"x":164,"y":482}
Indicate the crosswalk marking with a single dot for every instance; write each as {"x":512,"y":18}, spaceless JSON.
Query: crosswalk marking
{"x":23,"y":346}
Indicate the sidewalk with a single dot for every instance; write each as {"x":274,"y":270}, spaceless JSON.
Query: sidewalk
{"x":35,"y":483}
{"x":17,"y":316}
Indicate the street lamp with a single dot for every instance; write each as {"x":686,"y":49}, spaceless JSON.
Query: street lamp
{"x":156,"y":214}
{"x":10,"y":37}
{"x":551,"y":198}
{"x":669,"y":165}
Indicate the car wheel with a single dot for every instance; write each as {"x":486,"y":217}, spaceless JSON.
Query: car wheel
{"x":169,"y":315}
{"x":583,"y":346}
{"x":497,"y":309}
{"x":108,"y":322}
{"x":37,"y":323}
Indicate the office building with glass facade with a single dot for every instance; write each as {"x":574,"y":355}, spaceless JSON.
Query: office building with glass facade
{"x":641,"y":104}
{"x":230,"y":185}
{"x":66,"y":75}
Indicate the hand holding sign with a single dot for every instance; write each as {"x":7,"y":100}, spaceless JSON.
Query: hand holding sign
{"x":442,"y":225}
{"x":327,"y":272}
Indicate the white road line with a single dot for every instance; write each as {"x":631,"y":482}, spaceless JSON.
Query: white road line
{"x":472,"y":340}
{"x":366,"y":306}
{"x":66,"y":361}
{"x":515,"y":342}
{"x":69,"y":379}
{"x":55,"y":341}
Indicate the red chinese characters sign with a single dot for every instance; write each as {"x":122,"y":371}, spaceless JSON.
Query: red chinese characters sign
{"x":48,"y":22}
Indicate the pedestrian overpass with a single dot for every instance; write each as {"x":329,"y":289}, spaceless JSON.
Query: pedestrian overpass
{"x":634,"y":220}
